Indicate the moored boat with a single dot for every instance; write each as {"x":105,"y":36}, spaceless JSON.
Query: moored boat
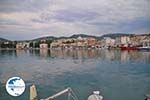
{"x":145,"y":46}
{"x":128,"y":47}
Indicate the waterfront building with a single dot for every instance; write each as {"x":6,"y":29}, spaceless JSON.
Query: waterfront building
{"x":27,"y":45}
{"x":91,"y":41}
{"x":138,"y":40}
{"x":135,"y":41}
{"x":117,"y":42}
{"x":43,"y":46}
{"x":81,"y":42}
{"x":56,"y":43}
{"x":98,"y":44}
{"x":109,"y":42}
{"x":125,"y":40}
{"x":20,"y":46}
{"x":6,"y":42}
{"x":74,"y":43}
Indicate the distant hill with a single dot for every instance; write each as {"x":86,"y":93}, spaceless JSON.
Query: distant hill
{"x":112,"y":35}
{"x":144,"y":34}
{"x":115,"y":35}
{"x":62,"y":37}
{"x":45,"y":38}
{"x":3,"y":40}
{"x":82,"y":35}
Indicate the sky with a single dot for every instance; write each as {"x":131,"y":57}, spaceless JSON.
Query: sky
{"x":29,"y":19}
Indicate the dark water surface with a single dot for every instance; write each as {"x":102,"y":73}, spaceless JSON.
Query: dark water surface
{"x":119,"y":75}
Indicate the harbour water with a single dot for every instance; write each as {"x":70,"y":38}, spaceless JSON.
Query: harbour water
{"x":119,"y":75}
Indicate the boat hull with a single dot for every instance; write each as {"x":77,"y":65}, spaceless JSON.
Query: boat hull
{"x":144,"y":48}
{"x":128,"y":48}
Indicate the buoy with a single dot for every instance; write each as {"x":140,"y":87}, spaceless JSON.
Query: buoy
{"x":95,"y":96}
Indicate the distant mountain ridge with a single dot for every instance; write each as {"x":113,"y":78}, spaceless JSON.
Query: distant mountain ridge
{"x":3,"y":40}
{"x":111,"y":35}
{"x":116,"y":35}
{"x":44,"y":38}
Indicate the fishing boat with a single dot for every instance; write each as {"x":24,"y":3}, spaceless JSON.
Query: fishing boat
{"x":128,"y":47}
{"x":70,"y":93}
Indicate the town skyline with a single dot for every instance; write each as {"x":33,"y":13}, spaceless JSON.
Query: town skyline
{"x":82,"y":41}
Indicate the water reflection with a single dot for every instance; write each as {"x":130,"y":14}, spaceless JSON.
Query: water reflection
{"x":43,"y":52}
{"x":135,"y":56}
{"x":123,"y":56}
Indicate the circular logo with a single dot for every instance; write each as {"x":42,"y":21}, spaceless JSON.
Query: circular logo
{"x":15,"y":86}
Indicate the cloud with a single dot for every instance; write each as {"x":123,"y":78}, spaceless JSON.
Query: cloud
{"x":23,"y":5}
{"x":139,"y":24}
{"x":65,"y":17}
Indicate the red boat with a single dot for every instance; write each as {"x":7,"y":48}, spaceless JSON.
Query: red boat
{"x":128,"y":47}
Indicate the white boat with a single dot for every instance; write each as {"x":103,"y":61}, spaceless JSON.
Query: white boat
{"x":144,"y":48}
{"x":145,"y":45}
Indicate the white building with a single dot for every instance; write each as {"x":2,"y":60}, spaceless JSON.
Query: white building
{"x":125,"y":40}
{"x":20,"y":46}
{"x":109,"y":41}
{"x":43,"y":46}
{"x":27,"y":45}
